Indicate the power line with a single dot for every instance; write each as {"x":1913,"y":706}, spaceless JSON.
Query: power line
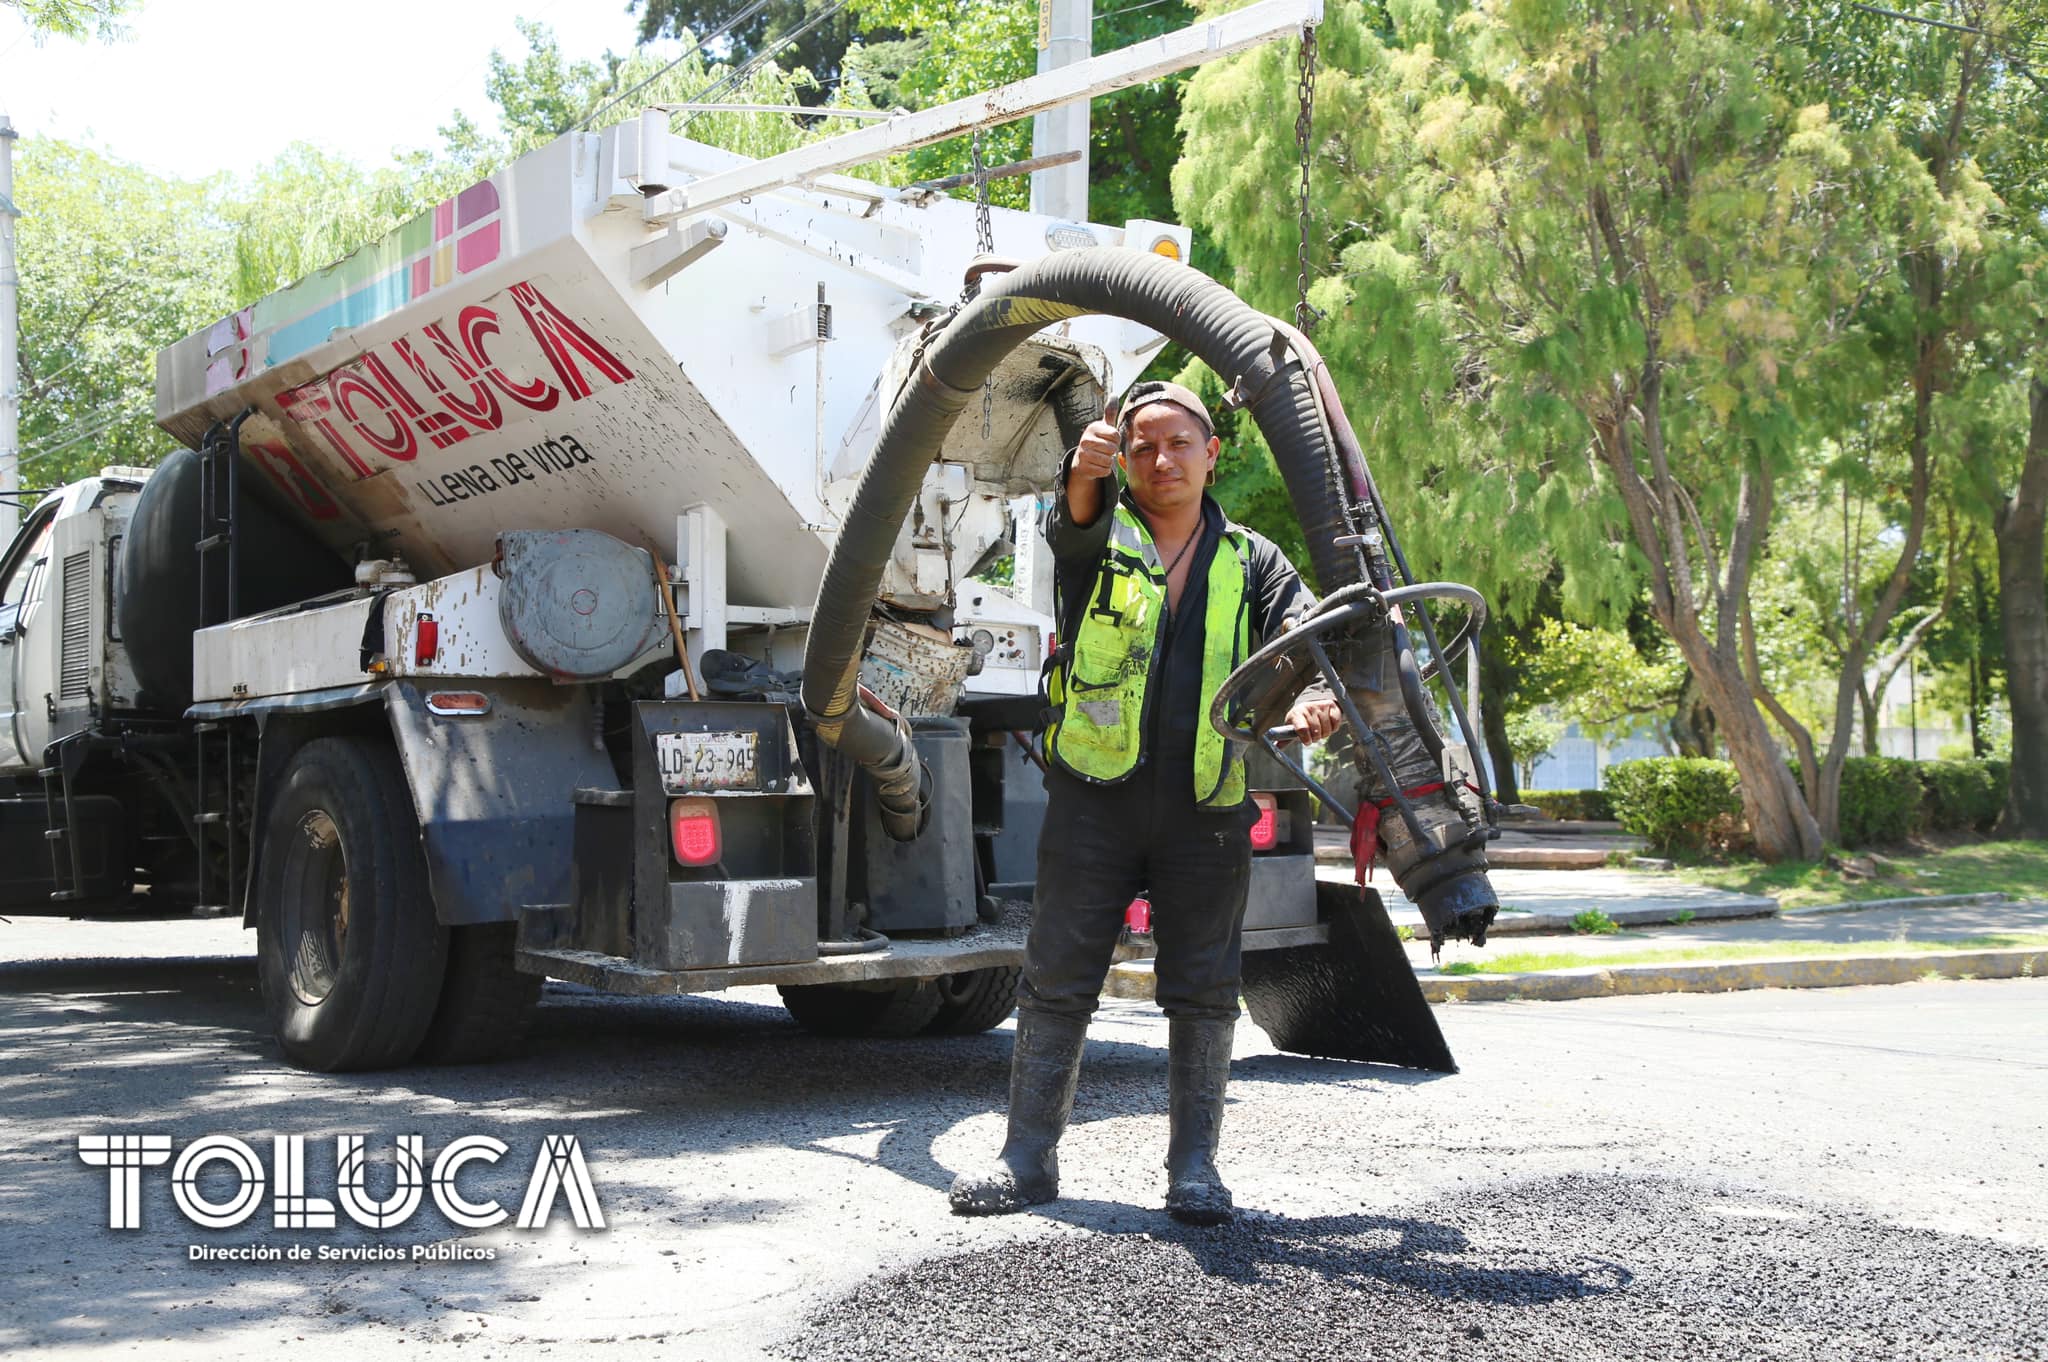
{"x":114,"y":408}
{"x":1915,"y":18}
{"x":2015,"y":62}
{"x":1143,"y":4}
{"x":45,"y":451}
{"x":732,"y":79}
{"x":696,"y":45}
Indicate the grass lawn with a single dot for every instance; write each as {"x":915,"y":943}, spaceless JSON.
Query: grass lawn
{"x":1525,"y":962}
{"x":2017,"y":868}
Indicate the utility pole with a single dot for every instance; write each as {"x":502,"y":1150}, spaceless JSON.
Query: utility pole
{"x":10,"y":363}
{"x":1066,"y":34}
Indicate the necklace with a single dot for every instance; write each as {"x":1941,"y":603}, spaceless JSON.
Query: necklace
{"x":1186,"y":544}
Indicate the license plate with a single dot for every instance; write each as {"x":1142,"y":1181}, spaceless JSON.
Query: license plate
{"x":694,"y":762}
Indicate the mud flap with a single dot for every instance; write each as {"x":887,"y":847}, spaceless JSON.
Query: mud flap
{"x":1354,"y":998}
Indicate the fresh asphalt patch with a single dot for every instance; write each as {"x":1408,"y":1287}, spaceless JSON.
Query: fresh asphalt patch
{"x":1583,"y":1266}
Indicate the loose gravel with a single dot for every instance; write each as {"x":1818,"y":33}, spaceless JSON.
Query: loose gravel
{"x":1584,"y":1267}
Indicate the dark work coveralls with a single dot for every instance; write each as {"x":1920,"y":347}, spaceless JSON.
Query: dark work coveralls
{"x":1103,"y":845}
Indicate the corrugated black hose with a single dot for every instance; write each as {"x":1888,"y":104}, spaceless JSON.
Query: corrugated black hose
{"x":1238,"y":342}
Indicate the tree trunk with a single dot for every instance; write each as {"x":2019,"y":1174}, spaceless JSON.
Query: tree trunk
{"x":1784,"y":828}
{"x":1862,"y":640}
{"x":2023,"y":609}
{"x":1779,"y":819}
{"x":1494,"y":679}
{"x":1692,"y":723}
{"x":1868,"y":702}
{"x":1980,"y":681}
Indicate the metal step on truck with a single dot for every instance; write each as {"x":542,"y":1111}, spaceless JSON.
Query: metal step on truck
{"x":580,"y":582}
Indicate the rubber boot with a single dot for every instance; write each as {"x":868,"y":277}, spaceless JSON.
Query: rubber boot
{"x":1044,"y":1068}
{"x":1198,"y":1070}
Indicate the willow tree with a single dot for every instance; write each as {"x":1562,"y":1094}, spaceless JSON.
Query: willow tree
{"x":1587,"y":273}
{"x":1954,"y":331}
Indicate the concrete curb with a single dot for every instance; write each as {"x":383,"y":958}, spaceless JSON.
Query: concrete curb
{"x":1839,"y":971}
{"x":1926,"y":901}
{"x":1133,"y":979}
{"x":1665,"y":914}
{"x":1130,"y":979}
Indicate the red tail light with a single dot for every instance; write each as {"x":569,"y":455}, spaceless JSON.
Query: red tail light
{"x":1138,"y":917}
{"x":426,"y":640}
{"x":1266,"y":832}
{"x":693,"y":831}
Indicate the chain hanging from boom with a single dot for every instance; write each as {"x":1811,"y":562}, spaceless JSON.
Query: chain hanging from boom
{"x":984,"y":244}
{"x":1305,"y":317}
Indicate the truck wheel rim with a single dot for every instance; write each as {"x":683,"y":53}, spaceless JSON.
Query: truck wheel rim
{"x":316,"y":908}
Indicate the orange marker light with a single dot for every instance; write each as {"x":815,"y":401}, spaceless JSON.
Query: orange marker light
{"x":458,"y":702}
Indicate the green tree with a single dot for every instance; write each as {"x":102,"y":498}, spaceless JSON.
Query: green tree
{"x":1948,"y":94}
{"x":308,"y":209}
{"x":926,"y":52}
{"x":115,"y":262}
{"x":960,"y":47}
{"x":1841,"y":614}
{"x":808,"y":35}
{"x":1531,"y":733}
{"x":2023,"y":607}
{"x":1596,"y":271}
{"x":80,"y":19}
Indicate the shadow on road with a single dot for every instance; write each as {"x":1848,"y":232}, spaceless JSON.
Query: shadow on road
{"x":180,"y":1047}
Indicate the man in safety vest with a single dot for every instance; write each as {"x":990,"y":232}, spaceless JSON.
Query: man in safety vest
{"x":1160,"y":597}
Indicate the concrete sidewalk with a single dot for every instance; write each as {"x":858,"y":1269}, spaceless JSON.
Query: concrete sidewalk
{"x":1895,"y":945}
{"x":1524,"y":844}
{"x":1540,"y":901}
{"x":1875,"y":927}
{"x":1774,"y":958}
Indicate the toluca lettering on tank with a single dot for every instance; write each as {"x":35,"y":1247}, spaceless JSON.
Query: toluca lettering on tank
{"x":302,"y":488}
{"x":442,"y":385}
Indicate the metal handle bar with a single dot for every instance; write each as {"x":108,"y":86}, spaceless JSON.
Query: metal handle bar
{"x":1343,"y":607}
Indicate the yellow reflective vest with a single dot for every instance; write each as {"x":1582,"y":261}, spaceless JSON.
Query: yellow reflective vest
{"x":1099,"y":686}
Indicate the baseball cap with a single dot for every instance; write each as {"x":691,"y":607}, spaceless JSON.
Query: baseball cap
{"x":1148,"y":393}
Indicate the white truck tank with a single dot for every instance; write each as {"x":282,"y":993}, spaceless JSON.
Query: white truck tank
{"x":530,"y":354}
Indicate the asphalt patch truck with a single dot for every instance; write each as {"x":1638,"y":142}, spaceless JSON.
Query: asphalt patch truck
{"x":467,"y":636}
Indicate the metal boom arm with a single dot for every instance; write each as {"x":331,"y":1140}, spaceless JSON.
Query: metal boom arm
{"x":1142,"y":61}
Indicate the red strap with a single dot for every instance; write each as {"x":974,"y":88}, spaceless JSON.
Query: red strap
{"x":1365,"y":828}
{"x":1365,"y":841}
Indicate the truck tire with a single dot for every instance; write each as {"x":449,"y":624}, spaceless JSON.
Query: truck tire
{"x":486,"y":1004}
{"x":348,"y":953}
{"x":897,"y":1008}
{"x":974,"y":1000}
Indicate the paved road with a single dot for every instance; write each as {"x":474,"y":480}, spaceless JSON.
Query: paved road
{"x":1709,"y":1176}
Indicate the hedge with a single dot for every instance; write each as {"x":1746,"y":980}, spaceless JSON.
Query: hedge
{"x":1592,"y":805}
{"x":1880,"y":800}
{"x":1960,"y":796}
{"x":1676,"y":802}
{"x":1887,"y":799}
